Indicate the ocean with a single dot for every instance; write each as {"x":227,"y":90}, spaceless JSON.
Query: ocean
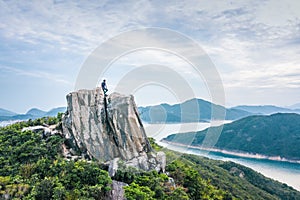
{"x":284,"y":172}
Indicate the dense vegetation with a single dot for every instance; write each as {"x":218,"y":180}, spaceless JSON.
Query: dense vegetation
{"x":238,"y":182}
{"x":32,"y":167}
{"x":202,"y":178}
{"x":274,"y":135}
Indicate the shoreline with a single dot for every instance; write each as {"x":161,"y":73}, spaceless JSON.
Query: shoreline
{"x":234,"y":153}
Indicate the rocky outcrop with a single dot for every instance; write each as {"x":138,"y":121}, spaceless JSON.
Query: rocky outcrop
{"x":117,"y":191}
{"x":108,"y":128}
{"x":46,"y":130}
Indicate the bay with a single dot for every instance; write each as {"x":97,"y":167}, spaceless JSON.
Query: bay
{"x":6,"y":123}
{"x":284,"y":172}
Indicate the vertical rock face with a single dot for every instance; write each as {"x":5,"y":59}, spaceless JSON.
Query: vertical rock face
{"x":106,"y":128}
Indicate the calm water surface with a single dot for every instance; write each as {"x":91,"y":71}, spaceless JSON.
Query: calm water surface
{"x":285,"y":172}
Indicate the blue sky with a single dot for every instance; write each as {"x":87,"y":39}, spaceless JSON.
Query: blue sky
{"x":255,"y":46}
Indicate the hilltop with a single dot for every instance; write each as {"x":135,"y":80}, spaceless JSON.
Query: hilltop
{"x":6,"y":113}
{"x":33,"y":113}
{"x":193,"y":110}
{"x":277,"y":135}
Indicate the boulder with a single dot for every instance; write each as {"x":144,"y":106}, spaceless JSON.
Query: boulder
{"x":45,"y":130}
{"x":117,"y":191}
{"x":106,"y":128}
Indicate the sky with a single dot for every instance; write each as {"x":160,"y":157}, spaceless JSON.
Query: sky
{"x":254,"y":45}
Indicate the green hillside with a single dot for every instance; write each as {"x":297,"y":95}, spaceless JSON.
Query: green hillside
{"x":33,"y":168}
{"x":274,"y":135}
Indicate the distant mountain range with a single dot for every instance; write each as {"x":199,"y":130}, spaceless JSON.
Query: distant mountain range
{"x":194,"y":110}
{"x":166,"y":113}
{"x":7,"y":113}
{"x":267,"y":109}
{"x":34,"y":113}
{"x":295,"y":106}
{"x":273,"y":135}
{"x":173,"y":113}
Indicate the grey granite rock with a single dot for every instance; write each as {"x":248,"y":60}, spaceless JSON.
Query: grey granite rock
{"x":106,"y":128}
{"x":45,"y":130}
{"x":117,"y":191}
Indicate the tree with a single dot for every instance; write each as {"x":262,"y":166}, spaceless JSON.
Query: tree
{"x":137,"y":192}
{"x":178,"y":193}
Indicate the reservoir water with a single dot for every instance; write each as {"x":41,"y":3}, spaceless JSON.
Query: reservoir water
{"x":284,"y":172}
{"x":6,"y":123}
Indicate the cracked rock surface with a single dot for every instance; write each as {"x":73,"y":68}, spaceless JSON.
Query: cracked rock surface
{"x":105,"y":128}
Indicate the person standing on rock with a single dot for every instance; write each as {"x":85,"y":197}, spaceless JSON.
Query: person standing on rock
{"x":104,"y":87}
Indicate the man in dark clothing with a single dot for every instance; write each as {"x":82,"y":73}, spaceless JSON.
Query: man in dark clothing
{"x":104,"y":87}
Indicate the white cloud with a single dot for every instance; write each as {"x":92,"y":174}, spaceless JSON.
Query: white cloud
{"x":254,"y":44}
{"x":74,"y":26}
{"x":37,"y":74}
{"x":278,"y":13}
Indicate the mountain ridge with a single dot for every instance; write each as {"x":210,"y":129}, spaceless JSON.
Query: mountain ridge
{"x":170,"y":113}
{"x":4,"y":112}
{"x":274,"y":135}
{"x":32,"y":113}
{"x":265,"y":109}
{"x":294,"y":106}
{"x":35,"y":112}
{"x":173,"y":113}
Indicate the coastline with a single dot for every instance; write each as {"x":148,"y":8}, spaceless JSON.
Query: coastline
{"x":8,"y":122}
{"x":235,"y":153}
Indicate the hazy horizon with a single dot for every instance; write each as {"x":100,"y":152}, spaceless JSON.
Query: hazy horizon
{"x":144,"y":105}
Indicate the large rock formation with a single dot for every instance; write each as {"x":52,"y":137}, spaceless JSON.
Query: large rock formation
{"x":109,"y":129}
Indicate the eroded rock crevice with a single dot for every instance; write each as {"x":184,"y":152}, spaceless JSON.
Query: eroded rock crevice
{"x":109,"y":128}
